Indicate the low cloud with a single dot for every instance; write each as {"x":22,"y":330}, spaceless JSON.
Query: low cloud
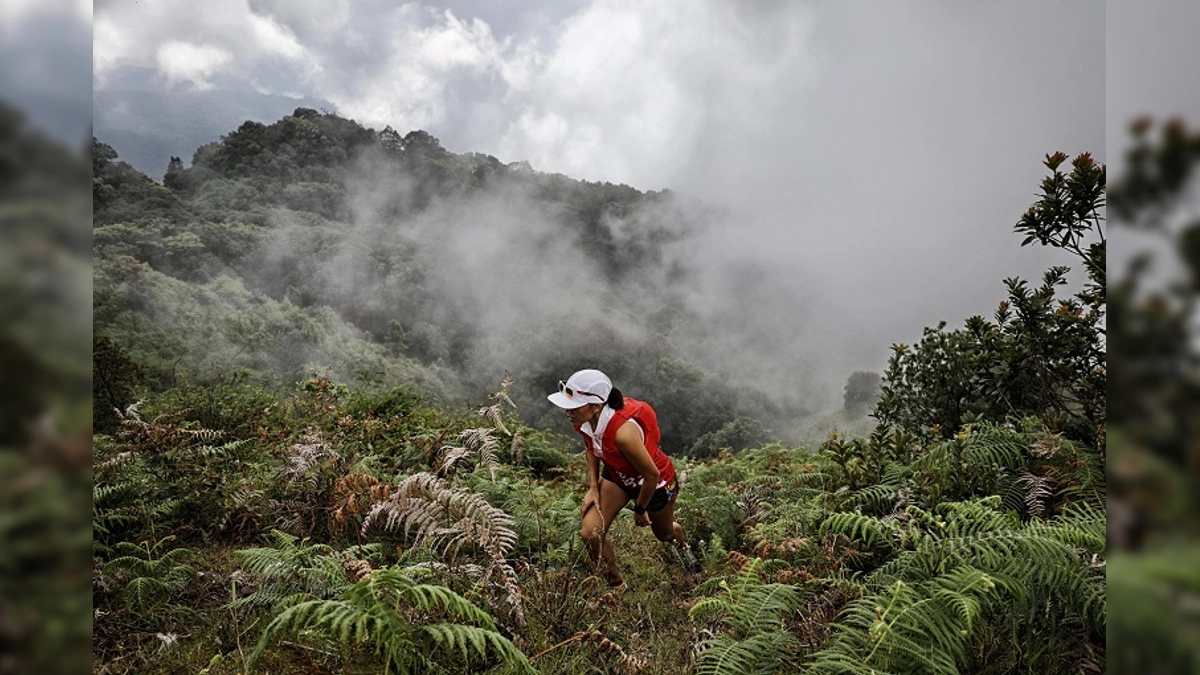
{"x":183,"y":62}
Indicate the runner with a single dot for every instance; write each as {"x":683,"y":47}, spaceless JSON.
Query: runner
{"x":624,"y":464}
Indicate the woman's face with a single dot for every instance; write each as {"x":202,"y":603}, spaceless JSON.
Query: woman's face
{"x":582,"y":414}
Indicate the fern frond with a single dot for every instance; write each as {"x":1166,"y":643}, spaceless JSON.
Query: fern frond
{"x":390,"y":611}
{"x":493,"y":415}
{"x":450,"y":519}
{"x":969,"y":518}
{"x":920,"y":628}
{"x":154,"y":571}
{"x":475,"y":644}
{"x":294,"y":570}
{"x":306,"y":455}
{"x":752,"y":615}
{"x":219,"y":451}
{"x":760,"y":654}
{"x":143,"y":592}
{"x":1038,"y":490}
{"x":995,"y":445}
{"x":1081,"y":524}
{"x":453,"y":517}
{"x":450,"y":457}
{"x":879,"y":498}
{"x":476,"y":443}
{"x":869,"y":529}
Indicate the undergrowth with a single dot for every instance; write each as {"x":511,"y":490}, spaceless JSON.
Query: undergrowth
{"x":357,"y":532}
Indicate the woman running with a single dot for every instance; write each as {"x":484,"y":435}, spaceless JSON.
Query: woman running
{"x":624,"y":464}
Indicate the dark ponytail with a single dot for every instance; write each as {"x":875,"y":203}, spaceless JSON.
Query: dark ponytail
{"x":615,"y":400}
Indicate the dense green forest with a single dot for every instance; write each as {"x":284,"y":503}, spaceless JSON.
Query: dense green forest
{"x":321,"y":446}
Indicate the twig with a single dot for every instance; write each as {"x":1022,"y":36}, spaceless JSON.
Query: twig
{"x":574,"y":638}
{"x":297,"y":645}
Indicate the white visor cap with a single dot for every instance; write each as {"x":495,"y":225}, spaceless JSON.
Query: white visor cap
{"x":582,"y":388}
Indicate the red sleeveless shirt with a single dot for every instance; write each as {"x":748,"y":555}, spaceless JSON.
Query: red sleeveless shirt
{"x":616,"y":463}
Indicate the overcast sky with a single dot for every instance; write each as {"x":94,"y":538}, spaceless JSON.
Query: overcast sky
{"x":879,"y":152}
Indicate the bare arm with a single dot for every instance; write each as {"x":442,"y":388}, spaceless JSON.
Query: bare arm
{"x":592,"y":497}
{"x":629,"y":442}
{"x":593,"y":468}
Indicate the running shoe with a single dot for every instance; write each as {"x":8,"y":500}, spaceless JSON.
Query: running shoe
{"x":685,"y":558}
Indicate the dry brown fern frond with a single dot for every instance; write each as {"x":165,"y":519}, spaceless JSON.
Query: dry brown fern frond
{"x":476,"y":443}
{"x":629,"y":663}
{"x":738,"y":560}
{"x":115,"y":461}
{"x":356,"y":570}
{"x":450,"y":519}
{"x":502,"y":395}
{"x":1038,"y":490}
{"x":353,"y":495}
{"x":306,"y":454}
{"x":492,"y":413}
{"x":426,"y":506}
{"x":1047,"y":446}
{"x":451,"y":455}
{"x":160,"y":434}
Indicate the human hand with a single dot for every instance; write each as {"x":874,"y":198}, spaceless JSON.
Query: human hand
{"x":641,"y":519}
{"x":592,"y":498}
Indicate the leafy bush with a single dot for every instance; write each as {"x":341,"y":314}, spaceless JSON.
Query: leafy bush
{"x":1042,"y":356}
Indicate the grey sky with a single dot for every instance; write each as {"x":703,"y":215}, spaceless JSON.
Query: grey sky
{"x":872,"y":157}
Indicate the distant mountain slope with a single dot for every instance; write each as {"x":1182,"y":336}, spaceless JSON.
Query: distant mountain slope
{"x":147,"y":126}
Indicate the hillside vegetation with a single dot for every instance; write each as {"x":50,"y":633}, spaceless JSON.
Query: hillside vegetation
{"x":307,"y":459}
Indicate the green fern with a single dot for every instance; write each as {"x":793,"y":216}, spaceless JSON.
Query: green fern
{"x":397,"y":619}
{"x":751,"y":617}
{"x":107,"y":514}
{"x":994,"y":445}
{"x":960,"y":573}
{"x":125,"y":503}
{"x":923,"y":628}
{"x":154,"y":572}
{"x":972,"y":463}
{"x":294,"y":570}
{"x":880,"y":498}
{"x":871,"y":530}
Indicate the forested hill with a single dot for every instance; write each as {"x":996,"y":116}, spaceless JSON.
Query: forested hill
{"x":316,"y":245}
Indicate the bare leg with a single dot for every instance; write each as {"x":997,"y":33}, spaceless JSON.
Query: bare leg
{"x":664,"y":525}
{"x":670,"y":532}
{"x":594,"y":530}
